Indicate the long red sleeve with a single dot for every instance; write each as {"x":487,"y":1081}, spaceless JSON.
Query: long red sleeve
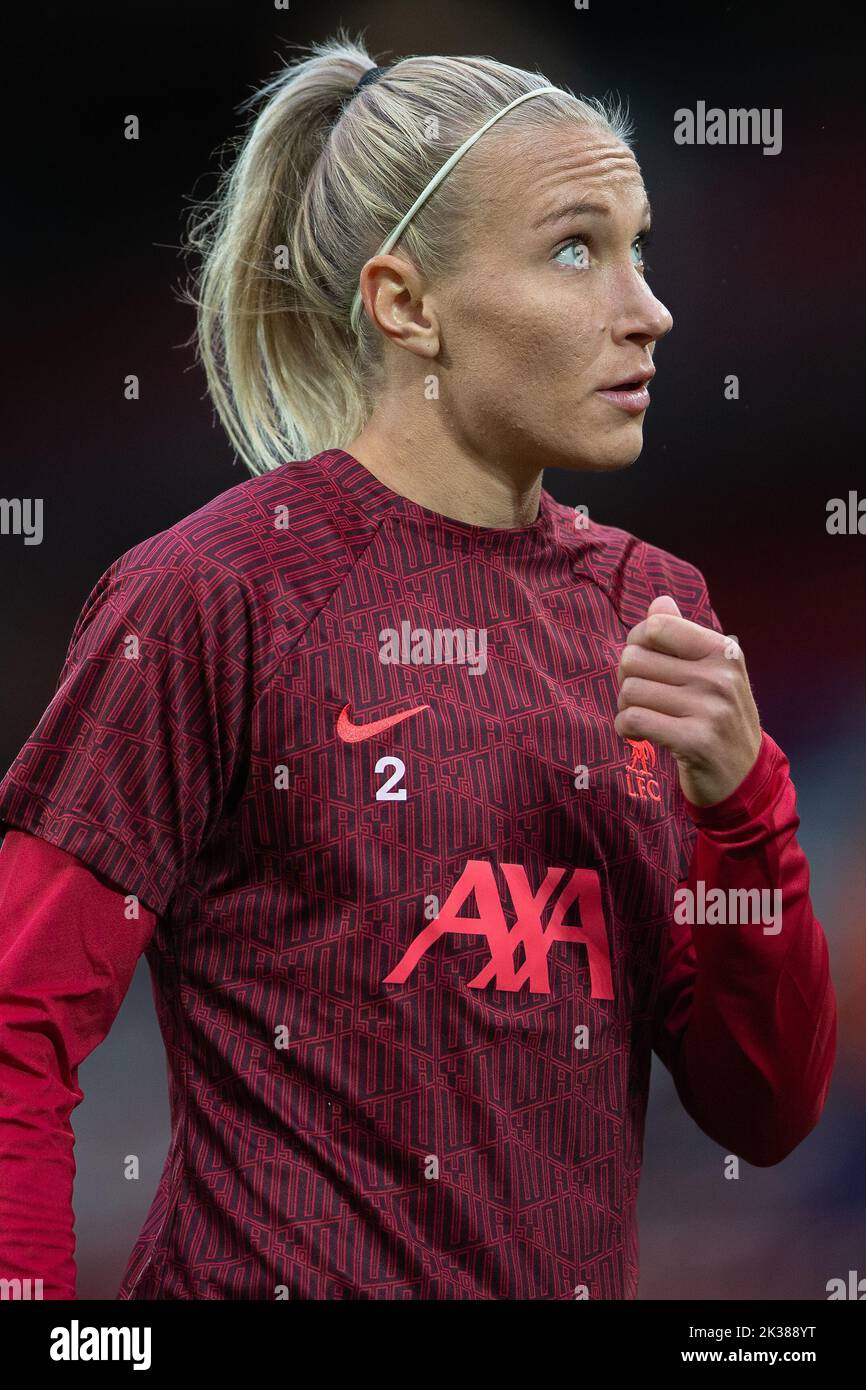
{"x":68,"y":950}
{"x":746,"y":1017}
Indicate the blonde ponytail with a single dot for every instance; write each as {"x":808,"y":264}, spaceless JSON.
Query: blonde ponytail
{"x":319,"y":179}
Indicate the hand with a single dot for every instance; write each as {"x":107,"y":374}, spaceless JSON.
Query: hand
{"x":685,"y":687}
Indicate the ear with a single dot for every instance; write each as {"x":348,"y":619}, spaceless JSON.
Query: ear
{"x":396,"y":288}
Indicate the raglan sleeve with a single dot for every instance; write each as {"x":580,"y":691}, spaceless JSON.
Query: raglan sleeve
{"x":745,"y":1014}
{"x":130,"y":765}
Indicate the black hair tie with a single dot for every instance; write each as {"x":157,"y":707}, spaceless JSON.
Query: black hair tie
{"x":369,"y":76}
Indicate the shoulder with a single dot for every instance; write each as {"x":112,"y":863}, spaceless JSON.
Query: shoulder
{"x":632,"y":571}
{"x":252,"y":565}
{"x":260,"y":531}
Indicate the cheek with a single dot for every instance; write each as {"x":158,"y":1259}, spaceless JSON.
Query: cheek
{"x":533,"y":344}
{"x":528,"y":342}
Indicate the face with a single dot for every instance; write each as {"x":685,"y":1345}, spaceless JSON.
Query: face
{"x":549,"y":304}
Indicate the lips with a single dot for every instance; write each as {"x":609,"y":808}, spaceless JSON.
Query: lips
{"x":632,"y":383}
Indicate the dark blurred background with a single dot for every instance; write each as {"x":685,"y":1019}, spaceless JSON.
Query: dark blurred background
{"x":760,"y":259}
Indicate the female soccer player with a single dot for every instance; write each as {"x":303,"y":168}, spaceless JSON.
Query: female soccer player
{"x":435,"y":805}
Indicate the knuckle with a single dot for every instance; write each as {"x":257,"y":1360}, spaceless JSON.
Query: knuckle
{"x":727,"y":678}
{"x":718,"y":714}
{"x":629,"y":722}
{"x":702,"y":740}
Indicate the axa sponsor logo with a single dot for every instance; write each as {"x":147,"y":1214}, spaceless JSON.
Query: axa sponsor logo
{"x":519,"y":952}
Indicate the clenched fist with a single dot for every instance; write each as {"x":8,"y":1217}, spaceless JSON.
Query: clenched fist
{"x":678,"y":688}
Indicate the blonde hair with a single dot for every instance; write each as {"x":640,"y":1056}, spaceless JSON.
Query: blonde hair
{"x":317,"y":182}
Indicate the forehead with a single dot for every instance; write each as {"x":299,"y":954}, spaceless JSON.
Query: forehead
{"x":532,"y":174}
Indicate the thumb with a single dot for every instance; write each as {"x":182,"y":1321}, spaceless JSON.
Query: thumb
{"x":663,"y":604}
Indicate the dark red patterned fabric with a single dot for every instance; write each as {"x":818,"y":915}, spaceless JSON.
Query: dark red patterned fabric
{"x":370,"y":1098}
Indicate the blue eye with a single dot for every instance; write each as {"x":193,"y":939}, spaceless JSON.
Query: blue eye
{"x":581,"y":246}
{"x":642,"y":242}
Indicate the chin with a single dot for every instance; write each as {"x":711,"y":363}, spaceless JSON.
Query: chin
{"x":609,"y":457}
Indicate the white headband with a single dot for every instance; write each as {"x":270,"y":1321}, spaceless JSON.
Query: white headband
{"x":437,"y":178}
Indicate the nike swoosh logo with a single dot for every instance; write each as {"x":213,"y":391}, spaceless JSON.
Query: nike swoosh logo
{"x":356,"y":733}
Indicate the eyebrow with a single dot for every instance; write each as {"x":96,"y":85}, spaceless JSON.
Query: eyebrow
{"x":580,"y":210}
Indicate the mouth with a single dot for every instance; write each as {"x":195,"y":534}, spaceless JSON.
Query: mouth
{"x":634,"y":383}
{"x":631,"y":395}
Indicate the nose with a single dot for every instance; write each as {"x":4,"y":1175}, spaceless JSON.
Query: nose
{"x":664,"y":321}
{"x":643,"y":319}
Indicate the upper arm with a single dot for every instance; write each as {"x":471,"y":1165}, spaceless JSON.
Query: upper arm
{"x":69,"y":943}
{"x":130,"y":765}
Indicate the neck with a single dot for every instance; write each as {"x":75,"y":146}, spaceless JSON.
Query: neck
{"x":441,"y":474}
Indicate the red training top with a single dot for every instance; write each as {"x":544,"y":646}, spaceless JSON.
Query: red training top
{"x":409,"y":966}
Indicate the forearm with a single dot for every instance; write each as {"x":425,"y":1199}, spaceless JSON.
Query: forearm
{"x":68,"y":949}
{"x":37,"y":1165}
{"x":757,"y":1051}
